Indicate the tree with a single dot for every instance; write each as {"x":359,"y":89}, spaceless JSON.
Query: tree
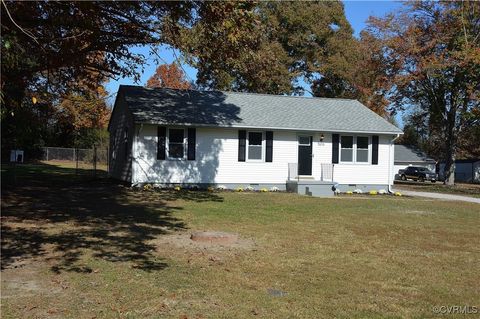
{"x":81,"y":119}
{"x":47,"y":47}
{"x":169,"y":76}
{"x":434,"y":49}
{"x":266,"y":47}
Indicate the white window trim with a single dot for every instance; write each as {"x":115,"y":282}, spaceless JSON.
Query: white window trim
{"x":167,"y":145}
{"x":354,"y":150}
{"x":248,"y":147}
{"x":369,"y":150}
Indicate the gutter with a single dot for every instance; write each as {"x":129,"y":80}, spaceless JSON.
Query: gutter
{"x":391,"y":163}
{"x":233,"y":126}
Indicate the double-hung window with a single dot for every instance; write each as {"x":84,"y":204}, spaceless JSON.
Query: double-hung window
{"x":346,"y":149}
{"x":255,"y":146}
{"x":176,"y":143}
{"x":362,"y":149}
{"x":354,"y":149}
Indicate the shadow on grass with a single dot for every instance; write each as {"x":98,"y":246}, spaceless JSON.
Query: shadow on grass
{"x":52,"y":214}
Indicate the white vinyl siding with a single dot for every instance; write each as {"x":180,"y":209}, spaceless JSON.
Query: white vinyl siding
{"x":217,"y":160}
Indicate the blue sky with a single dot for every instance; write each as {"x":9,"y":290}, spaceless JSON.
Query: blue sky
{"x":357,"y":13}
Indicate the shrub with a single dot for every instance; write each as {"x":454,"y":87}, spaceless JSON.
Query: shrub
{"x":349,"y":192}
{"x":239,"y":189}
{"x":373,"y":192}
{"x":274,"y":189}
{"x":264,"y":190}
{"x":177,"y":188}
{"x":358,"y":191}
{"x":147,"y":187}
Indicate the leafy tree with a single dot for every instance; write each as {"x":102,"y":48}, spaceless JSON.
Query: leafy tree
{"x":236,"y":57}
{"x":169,"y":76}
{"x":47,"y":47}
{"x":283,"y":44}
{"x":434,"y":49}
{"x":81,"y":119}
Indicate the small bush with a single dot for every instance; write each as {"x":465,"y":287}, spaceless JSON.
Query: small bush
{"x":373,"y":192}
{"x":274,"y":189}
{"x":264,"y":190}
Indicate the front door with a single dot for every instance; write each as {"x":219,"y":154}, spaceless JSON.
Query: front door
{"x":304,"y":155}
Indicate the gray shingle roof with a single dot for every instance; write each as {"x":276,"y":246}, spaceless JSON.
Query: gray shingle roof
{"x":409,"y":154}
{"x":230,"y":109}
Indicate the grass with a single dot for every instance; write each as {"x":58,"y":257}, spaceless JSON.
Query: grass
{"x":73,"y":248}
{"x":471,"y":190}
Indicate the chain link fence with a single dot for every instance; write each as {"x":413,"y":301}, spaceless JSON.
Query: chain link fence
{"x":93,"y":160}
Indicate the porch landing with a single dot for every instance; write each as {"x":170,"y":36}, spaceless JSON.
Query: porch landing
{"x":311,"y":187}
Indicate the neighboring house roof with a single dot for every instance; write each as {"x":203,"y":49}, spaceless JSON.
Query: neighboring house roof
{"x":409,"y":154}
{"x":246,"y":110}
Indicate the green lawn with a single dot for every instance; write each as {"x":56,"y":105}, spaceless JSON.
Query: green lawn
{"x":78,"y":248}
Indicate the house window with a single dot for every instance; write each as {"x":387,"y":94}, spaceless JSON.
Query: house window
{"x":255,"y":146}
{"x":362,"y":149}
{"x":176,"y":143}
{"x":346,"y":149}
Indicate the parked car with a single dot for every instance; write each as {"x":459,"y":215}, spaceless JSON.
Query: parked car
{"x":417,"y":174}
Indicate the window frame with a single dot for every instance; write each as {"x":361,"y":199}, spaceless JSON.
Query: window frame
{"x":167,"y":144}
{"x":247,"y":147}
{"x":369,"y":149}
{"x":354,"y":150}
{"x":344,"y":148}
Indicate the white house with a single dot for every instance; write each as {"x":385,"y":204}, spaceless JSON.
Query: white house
{"x":169,"y":137}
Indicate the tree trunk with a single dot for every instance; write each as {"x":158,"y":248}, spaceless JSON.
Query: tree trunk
{"x":449,"y":170}
{"x":451,"y":150}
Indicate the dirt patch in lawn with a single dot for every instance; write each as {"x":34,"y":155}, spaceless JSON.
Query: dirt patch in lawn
{"x":183,"y":240}
{"x":24,"y":279}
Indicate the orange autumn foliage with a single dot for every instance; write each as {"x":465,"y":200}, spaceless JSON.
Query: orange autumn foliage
{"x":169,"y":76}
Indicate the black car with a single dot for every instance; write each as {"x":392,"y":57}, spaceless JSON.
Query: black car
{"x":417,"y":174}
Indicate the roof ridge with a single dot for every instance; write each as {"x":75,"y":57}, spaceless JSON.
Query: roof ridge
{"x":291,"y":96}
{"x":241,"y":93}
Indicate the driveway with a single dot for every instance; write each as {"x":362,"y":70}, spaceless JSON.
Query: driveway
{"x":441,"y":196}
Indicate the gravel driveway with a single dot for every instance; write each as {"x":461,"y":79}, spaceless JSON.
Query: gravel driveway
{"x":441,"y":196}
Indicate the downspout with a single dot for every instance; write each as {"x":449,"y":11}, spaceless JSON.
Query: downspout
{"x":391,"y":163}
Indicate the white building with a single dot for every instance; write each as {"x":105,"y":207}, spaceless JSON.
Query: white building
{"x":169,"y":137}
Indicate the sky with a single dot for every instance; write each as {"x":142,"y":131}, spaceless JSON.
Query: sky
{"x":357,"y":13}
